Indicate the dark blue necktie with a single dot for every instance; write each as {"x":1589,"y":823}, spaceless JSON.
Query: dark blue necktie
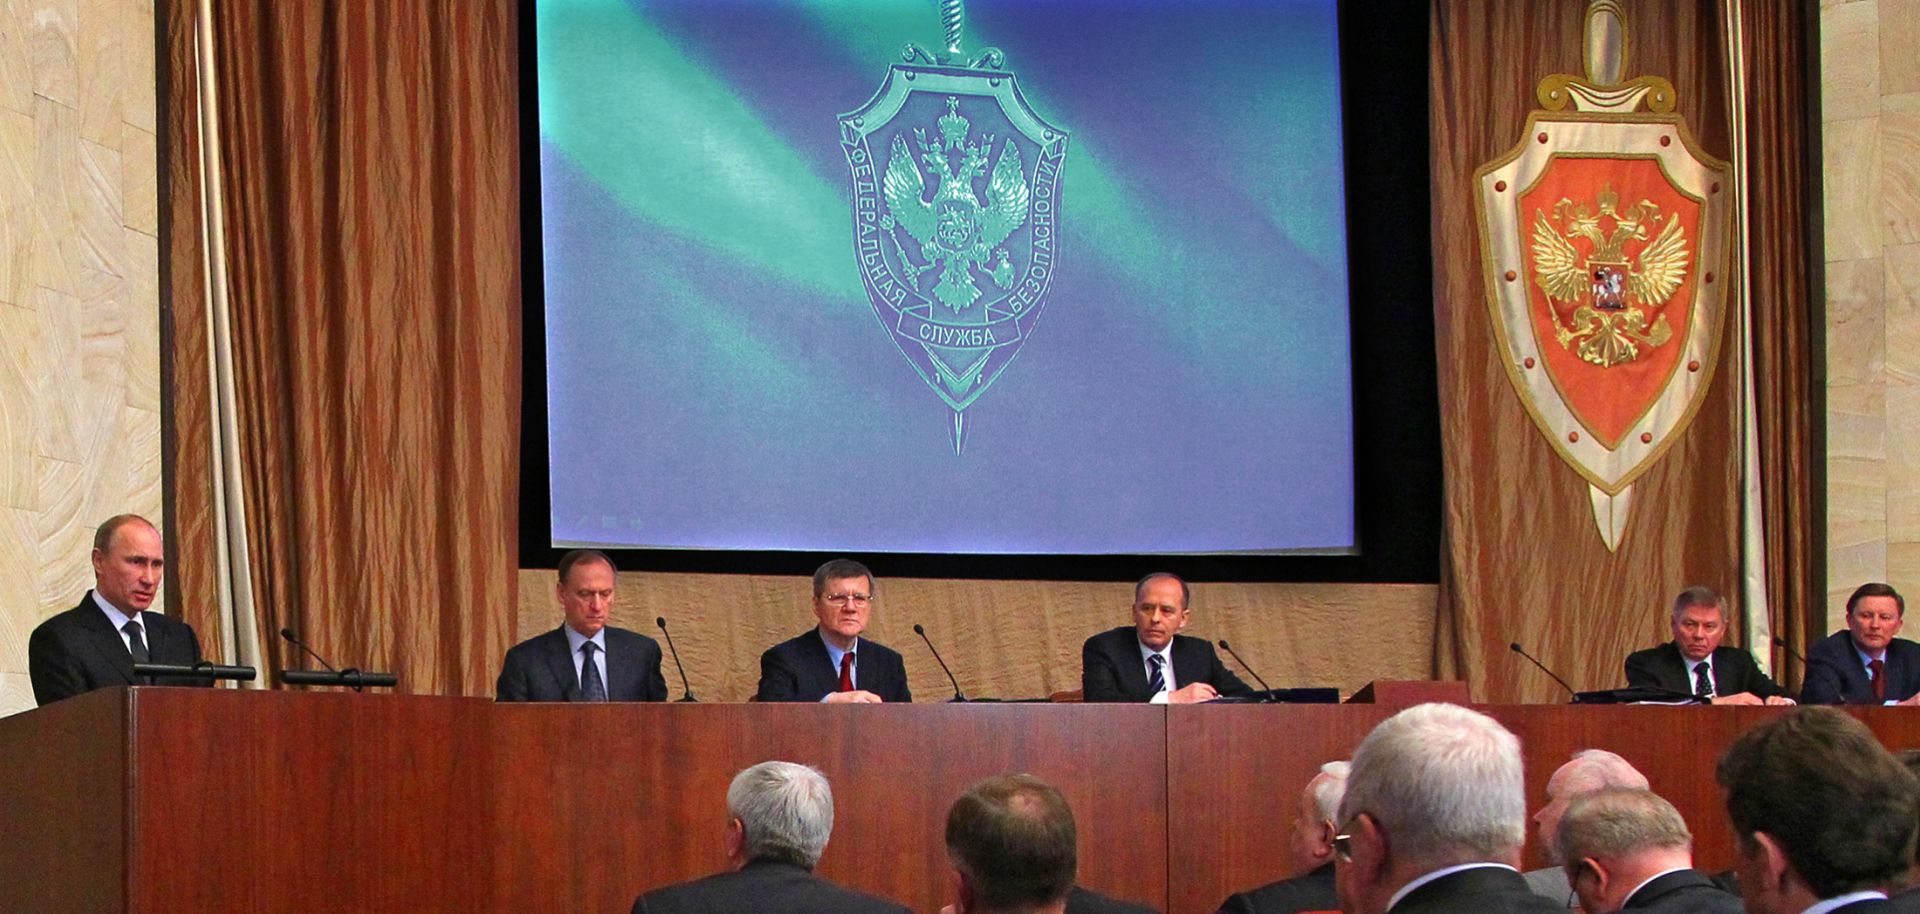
{"x":1702,"y":682}
{"x":1156,"y":683}
{"x":591,"y":688}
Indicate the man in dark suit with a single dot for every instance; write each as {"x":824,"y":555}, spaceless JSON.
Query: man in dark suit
{"x":95,"y":644}
{"x":1695,"y":663}
{"x":779,"y":818}
{"x":585,"y":659}
{"x":1627,"y":849}
{"x":1150,"y":660}
{"x":1434,"y":817}
{"x":1589,"y":770}
{"x":1823,"y":814}
{"x":1310,"y":849}
{"x":1013,"y":846}
{"x":831,"y":662}
{"x":1866,"y":664}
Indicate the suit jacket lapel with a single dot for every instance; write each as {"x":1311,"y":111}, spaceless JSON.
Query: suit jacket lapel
{"x":107,"y":643}
{"x":560,"y":664}
{"x":1133,"y":666}
{"x":623,"y":669}
{"x":820,"y":663}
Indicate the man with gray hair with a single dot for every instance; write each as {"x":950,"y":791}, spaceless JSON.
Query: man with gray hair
{"x":1309,"y":886}
{"x":1433,"y":818}
{"x":1694,"y":663}
{"x":779,"y":817}
{"x":1627,"y":849}
{"x":1589,"y":770}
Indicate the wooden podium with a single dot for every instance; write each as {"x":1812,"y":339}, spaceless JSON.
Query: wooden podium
{"x":161,"y":800}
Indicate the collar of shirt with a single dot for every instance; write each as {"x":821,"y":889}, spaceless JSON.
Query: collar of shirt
{"x":1643,"y":883}
{"x":117,"y":618}
{"x":1828,"y":904}
{"x":834,"y":653}
{"x":1166,"y":655}
{"x":1408,"y":889}
{"x":1865,"y":658}
{"x":575,"y":639}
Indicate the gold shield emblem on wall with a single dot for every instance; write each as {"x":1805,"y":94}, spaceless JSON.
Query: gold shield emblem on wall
{"x":1604,"y":239}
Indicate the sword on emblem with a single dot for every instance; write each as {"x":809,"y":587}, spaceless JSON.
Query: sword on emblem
{"x":956,"y":208}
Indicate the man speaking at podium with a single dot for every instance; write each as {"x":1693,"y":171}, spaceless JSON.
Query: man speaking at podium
{"x":1151,"y":661}
{"x":95,"y":645}
{"x":585,"y":659}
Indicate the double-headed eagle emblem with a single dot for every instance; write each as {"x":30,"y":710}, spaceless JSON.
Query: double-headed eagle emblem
{"x":956,"y":230}
{"x":1607,"y":289}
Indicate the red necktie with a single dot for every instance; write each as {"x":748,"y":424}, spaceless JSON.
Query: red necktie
{"x":1878,"y":670}
{"x":846,"y":672}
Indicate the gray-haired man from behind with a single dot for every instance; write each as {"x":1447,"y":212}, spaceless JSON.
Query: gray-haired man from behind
{"x":1629,"y":850}
{"x":1589,"y":770}
{"x":1309,"y":886}
{"x":1434,"y":817}
{"x":779,"y":815}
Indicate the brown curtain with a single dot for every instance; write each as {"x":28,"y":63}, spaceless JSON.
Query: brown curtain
{"x":1785,"y":314}
{"x":1523,"y":559}
{"x":370,"y":155}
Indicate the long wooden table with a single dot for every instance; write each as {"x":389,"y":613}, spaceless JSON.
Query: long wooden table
{"x":180,"y":800}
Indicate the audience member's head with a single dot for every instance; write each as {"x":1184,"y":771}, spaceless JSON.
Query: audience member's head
{"x":1875,"y":613}
{"x":129,"y":562}
{"x":1819,"y":809}
{"x":1433,"y":786}
{"x":1699,"y":621}
{"x":1615,"y":839}
{"x":781,"y":813}
{"x":1013,"y":846}
{"x":1588,"y":771}
{"x":1311,"y":844}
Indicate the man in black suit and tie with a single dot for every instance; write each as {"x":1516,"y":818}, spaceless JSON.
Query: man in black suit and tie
{"x":779,"y":818}
{"x":1695,"y":663}
{"x":831,"y":662}
{"x":1434,"y":817}
{"x":95,"y":644}
{"x":585,"y":659}
{"x":1310,"y":849}
{"x":1150,"y":660}
{"x":1866,"y":664}
{"x":1013,"y":846}
{"x":1627,"y":849}
{"x":1822,"y":814}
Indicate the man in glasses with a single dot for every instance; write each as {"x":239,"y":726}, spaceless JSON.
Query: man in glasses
{"x":1434,"y":817}
{"x":1150,"y":660}
{"x":1628,"y":849}
{"x":1310,"y":849}
{"x":831,"y":662}
{"x":1589,"y":770}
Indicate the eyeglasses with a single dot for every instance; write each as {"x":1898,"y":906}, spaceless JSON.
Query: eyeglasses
{"x":1342,"y":841}
{"x":843,"y":599}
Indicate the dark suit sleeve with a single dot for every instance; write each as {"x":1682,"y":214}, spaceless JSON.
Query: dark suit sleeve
{"x":1099,"y":678}
{"x":902,"y":693}
{"x":1223,"y":680}
{"x":656,"y":689}
{"x":51,"y":666}
{"x":1824,"y":684}
{"x":1751,"y":679}
{"x":512,"y":684}
{"x":1640,"y":671}
{"x":193,"y":645}
{"x":779,"y":681}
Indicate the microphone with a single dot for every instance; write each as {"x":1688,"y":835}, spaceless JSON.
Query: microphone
{"x":922,"y":632}
{"x":1781,"y":643}
{"x":1243,"y":663}
{"x":684,"y":687}
{"x":288,"y":634}
{"x":1543,"y":668}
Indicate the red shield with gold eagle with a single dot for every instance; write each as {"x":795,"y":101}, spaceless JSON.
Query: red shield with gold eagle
{"x":1604,"y":244}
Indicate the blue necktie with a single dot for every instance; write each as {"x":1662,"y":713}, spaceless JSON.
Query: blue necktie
{"x":1156,"y":683}
{"x":591,"y":688}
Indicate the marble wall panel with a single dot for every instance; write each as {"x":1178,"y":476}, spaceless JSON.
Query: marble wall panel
{"x":1850,"y":61}
{"x":1903,"y":465}
{"x":80,"y":398}
{"x":1851,"y":151}
{"x":1899,"y":46}
{"x":1856,"y":322}
{"x":1900,"y":168}
{"x":1900,"y":285}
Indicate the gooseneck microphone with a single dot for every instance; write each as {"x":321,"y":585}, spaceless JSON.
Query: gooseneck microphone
{"x":920,"y":630}
{"x":288,"y":634}
{"x":1543,"y":668}
{"x":684,"y":687}
{"x":1782,"y":644}
{"x":1244,"y":664}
